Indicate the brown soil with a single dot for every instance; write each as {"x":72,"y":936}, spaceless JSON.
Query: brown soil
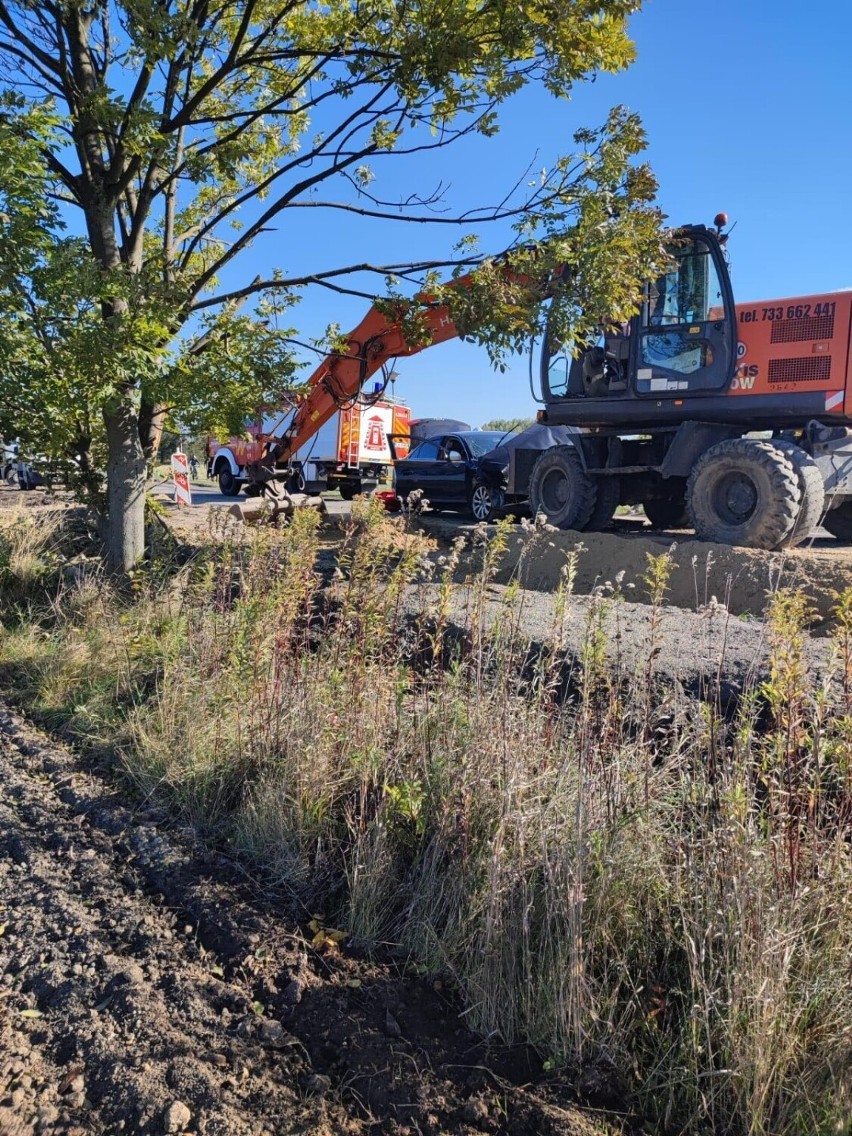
{"x":739,"y":578}
{"x":147,"y":987}
{"x":13,"y":498}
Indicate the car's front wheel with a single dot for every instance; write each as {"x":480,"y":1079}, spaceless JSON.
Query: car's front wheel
{"x":485,"y":502}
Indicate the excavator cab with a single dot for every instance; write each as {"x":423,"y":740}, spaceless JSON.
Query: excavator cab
{"x":680,"y":345}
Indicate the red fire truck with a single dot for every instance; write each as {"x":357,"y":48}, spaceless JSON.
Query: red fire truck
{"x":350,"y":452}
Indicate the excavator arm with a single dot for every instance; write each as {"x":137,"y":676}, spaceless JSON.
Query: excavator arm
{"x":341,"y":376}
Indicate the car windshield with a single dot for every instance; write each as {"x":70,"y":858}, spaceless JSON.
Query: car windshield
{"x":482,"y":441}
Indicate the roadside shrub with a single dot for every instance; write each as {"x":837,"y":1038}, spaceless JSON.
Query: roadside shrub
{"x":656,"y":897}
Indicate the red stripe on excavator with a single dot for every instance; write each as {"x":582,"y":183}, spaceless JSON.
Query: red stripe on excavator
{"x":833,"y":399}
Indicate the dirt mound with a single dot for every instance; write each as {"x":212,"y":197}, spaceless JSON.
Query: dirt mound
{"x":739,"y":578}
{"x":708,"y":656}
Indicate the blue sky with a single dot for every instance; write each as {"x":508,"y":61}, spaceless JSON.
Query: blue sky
{"x":747,"y":108}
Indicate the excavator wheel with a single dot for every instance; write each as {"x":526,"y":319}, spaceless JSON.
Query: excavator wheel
{"x":813,"y":490}
{"x":667,"y":512}
{"x":562,"y":490}
{"x":839,"y":521}
{"x":607,"y":500}
{"x":744,"y":492}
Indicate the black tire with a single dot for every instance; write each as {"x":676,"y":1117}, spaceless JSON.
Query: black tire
{"x":744,"y":492}
{"x":561,"y":489}
{"x":347,"y":490}
{"x":812,"y":487}
{"x":839,"y":521}
{"x":485,"y":502}
{"x":667,"y":512}
{"x":229,"y":486}
{"x":607,"y":500}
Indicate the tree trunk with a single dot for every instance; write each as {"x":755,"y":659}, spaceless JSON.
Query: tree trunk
{"x":125,"y":487}
{"x":151,"y":419}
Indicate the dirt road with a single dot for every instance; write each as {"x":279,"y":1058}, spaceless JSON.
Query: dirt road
{"x":145,"y":988}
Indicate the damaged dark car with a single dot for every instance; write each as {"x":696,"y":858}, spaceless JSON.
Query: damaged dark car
{"x":474,"y":471}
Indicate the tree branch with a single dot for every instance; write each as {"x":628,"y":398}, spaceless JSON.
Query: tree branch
{"x":471,"y":216}
{"x":264,"y":185}
{"x":214,"y":80}
{"x":51,"y":80}
{"x":44,"y":58}
{"x":324,"y":279}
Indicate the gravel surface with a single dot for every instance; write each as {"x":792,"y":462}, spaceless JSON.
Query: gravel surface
{"x":705,"y":654}
{"x":146,"y":987}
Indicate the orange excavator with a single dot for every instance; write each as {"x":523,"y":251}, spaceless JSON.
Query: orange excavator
{"x":732,"y":419}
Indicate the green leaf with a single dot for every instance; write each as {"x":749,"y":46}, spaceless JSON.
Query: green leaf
{"x":192,"y":148}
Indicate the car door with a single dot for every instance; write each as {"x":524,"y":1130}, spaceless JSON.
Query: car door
{"x":452,"y":474}
{"x":419,"y":470}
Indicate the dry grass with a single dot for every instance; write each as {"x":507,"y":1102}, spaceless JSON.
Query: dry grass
{"x":30,"y":541}
{"x":662,"y":903}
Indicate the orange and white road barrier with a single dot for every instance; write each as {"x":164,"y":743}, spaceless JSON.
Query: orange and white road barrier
{"x":180,"y":476}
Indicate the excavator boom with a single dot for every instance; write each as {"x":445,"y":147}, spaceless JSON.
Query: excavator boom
{"x":339,"y":378}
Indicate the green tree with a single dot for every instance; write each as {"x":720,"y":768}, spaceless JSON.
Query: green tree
{"x":508,"y":425}
{"x":170,"y":136}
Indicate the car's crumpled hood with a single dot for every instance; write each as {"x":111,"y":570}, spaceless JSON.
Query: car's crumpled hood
{"x":536,"y":437}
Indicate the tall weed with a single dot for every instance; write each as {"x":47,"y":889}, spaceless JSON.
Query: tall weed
{"x":658,"y":899}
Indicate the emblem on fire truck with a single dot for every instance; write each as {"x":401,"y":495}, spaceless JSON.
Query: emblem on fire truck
{"x":373,"y":436}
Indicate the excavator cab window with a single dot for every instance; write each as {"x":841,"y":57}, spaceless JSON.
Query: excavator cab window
{"x":558,"y":371}
{"x":590,"y":370}
{"x":685,"y":337}
{"x":683,"y":341}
